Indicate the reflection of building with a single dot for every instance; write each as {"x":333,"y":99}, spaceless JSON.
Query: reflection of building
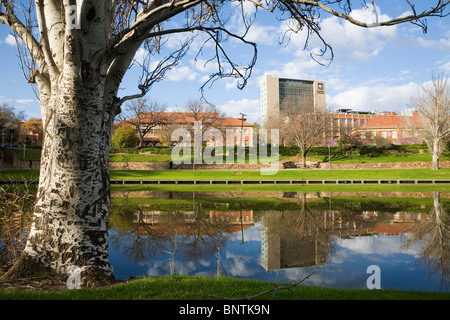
{"x":291,"y":250}
{"x":244,"y":217}
{"x":285,"y":246}
{"x":285,"y":243}
{"x":275,"y":92}
{"x":179,"y":221}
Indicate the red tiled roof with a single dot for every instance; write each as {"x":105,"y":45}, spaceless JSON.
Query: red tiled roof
{"x":234,"y":122}
{"x":188,"y":117}
{"x":181,"y":117}
{"x":391,"y":122}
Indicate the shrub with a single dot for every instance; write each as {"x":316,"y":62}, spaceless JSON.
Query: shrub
{"x":16,"y":211}
{"x":125,"y":137}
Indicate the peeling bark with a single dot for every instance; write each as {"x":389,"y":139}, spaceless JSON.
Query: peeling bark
{"x":73,"y":199}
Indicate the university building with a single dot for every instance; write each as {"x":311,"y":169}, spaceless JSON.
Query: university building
{"x":394,"y":128}
{"x":308,"y":95}
{"x":236,"y":132}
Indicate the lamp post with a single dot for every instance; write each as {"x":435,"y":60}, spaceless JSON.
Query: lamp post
{"x":329,"y":156}
{"x":243,"y":117}
{"x":11,"y":132}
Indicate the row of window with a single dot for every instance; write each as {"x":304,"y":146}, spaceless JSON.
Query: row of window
{"x":385,"y":134}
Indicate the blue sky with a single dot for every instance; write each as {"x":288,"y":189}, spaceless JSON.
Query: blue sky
{"x":373,"y":69}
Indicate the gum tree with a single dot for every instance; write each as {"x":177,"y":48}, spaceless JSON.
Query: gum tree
{"x":76,"y":53}
{"x":432,"y":105}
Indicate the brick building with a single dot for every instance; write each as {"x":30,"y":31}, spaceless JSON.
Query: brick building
{"x":394,"y":128}
{"x":241,"y":130}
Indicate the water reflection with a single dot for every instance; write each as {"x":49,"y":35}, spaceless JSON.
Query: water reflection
{"x":282,"y":236}
{"x":434,"y":235}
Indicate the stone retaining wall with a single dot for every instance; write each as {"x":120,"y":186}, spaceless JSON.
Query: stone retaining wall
{"x":237,"y":167}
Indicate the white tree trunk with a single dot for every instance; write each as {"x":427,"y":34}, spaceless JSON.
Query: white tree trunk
{"x":436,"y":152}
{"x":71,"y":214}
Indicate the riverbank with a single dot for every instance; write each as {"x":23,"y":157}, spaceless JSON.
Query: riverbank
{"x":292,"y":174}
{"x":204,"y":288}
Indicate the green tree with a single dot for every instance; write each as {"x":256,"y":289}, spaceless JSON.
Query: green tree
{"x":125,"y":137}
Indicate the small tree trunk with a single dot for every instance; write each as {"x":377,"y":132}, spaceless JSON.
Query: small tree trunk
{"x":435,"y":162}
{"x":141,"y":139}
{"x":303,"y":157}
{"x":70,"y":222}
{"x":435,"y":153}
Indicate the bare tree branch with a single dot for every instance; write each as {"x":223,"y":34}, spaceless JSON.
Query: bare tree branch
{"x":432,"y":122}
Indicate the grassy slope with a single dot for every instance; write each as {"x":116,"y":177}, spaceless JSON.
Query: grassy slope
{"x":281,"y":175}
{"x":201,"y":288}
{"x":255,"y":175}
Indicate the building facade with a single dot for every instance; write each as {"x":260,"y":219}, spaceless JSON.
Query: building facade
{"x":307,"y":95}
{"x":394,"y":128}
{"x":236,"y":132}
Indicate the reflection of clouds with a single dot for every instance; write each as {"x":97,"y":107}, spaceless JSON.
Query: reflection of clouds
{"x":250,"y":234}
{"x":162,"y":267}
{"x":239,"y":264}
{"x":381,"y":245}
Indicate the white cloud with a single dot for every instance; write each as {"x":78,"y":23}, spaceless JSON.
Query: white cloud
{"x":140,"y":56}
{"x":181,"y":73}
{"x":349,"y":43}
{"x":203,"y":65}
{"x":356,"y":43}
{"x":251,"y":107}
{"x":263,"y":35}
{"x":24,"y":101}
{"x":381,"y":245}
{"x":441,"y":44}
{"x":377,"y":97}
{"x":11,"y":40}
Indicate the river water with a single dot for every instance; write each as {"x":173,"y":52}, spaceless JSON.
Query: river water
{"x":348,"y":240}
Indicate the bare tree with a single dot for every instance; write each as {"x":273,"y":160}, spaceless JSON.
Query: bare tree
{"x":303,"y":126}
{"x":210,"y":117}
{"x":433,"y":122}
{"x":144,"y":115}
{"x":195,"y":110}
{"x":76,"y":53}
{"x":10,"y":123}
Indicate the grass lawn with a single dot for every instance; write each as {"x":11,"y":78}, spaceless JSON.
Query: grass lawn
{"x":408,"y":174}
{"x":280,"y":175}
{"x":204,"y":288}
{"x":35,"y":154}
{"x":30,"y":154}
{"x":113,"y":157}
{"x":401,"y":157}
{"x":445,"y":188}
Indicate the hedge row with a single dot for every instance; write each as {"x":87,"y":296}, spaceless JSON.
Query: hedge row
{"x":286,"y":150}
{"x":293,"y":150}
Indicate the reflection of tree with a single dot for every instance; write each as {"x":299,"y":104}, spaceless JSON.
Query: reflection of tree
{"x":295,"y":238}
{"x":310,"y":221}
{"x":136,"y":245}
{"x":192,"y":233}
{"x":204,"y":236}
{"x":435,"y":237}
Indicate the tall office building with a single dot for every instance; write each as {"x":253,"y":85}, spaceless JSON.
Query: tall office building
{"x":306,"y":95}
